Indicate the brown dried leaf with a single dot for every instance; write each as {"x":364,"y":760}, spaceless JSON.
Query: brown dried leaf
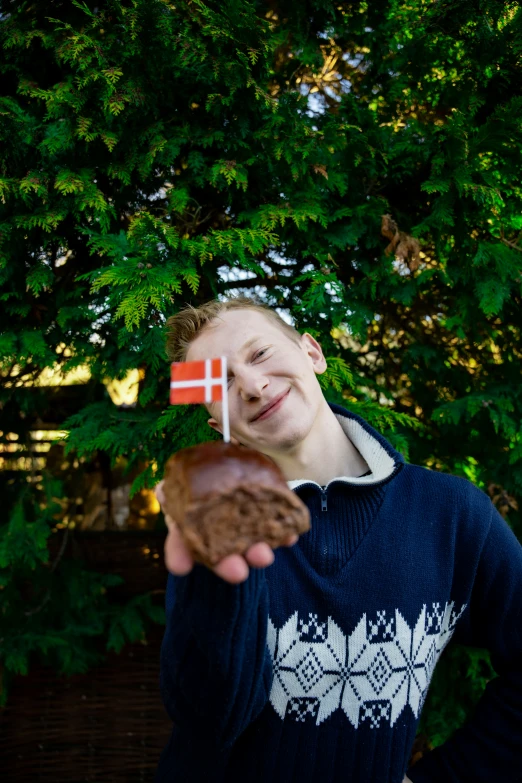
{"x":389,"y":227}
{"x":320,"y":169}
{"x":405,"y":247}
{"x":408,"y":251}
{"x":501,"y":499}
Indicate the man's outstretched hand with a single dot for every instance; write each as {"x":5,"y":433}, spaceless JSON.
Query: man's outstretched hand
{"x":233,"y":568}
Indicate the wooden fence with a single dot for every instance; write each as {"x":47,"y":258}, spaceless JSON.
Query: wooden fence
{"x":107,"y":725}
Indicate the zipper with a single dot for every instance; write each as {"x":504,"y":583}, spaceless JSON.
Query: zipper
{"x":324,"y":490}
{"x":324,"y":505}
{"x":398,"y":467}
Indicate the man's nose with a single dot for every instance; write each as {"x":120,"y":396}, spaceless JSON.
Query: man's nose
{"x":251,"y":385}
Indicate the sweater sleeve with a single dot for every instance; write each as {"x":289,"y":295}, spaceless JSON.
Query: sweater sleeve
{"x":489,"y":746}
{"x":215,"y":666}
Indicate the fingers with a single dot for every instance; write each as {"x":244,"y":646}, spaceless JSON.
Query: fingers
{"x":259,"y":555}
{"x":178,"y":560}
{"x":233,"y":569}
{"x":177,"y":557}
{"x":158,"y":491}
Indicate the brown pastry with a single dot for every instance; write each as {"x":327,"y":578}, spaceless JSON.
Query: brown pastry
{"x":224,"y":498}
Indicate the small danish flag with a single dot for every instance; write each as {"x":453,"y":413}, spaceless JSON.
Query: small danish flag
{"x":199,"y":382}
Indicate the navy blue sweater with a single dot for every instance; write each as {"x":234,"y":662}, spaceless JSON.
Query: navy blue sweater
{"x":316,"y":668}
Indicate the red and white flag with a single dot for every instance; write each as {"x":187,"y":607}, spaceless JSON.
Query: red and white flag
{"x":198,"y":382}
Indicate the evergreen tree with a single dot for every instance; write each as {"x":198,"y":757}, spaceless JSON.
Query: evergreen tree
{"x":356,"y":164}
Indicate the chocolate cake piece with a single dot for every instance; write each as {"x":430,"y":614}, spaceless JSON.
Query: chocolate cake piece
{"x":224,"y":498}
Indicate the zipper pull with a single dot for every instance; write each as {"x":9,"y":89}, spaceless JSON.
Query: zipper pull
{"x":324,"y":506}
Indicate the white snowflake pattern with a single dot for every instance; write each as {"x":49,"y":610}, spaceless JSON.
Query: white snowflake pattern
{"x":371,"y":674}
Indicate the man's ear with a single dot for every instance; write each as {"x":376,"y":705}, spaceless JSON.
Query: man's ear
{"x":310,"y":345}
{"x":215,"y":426}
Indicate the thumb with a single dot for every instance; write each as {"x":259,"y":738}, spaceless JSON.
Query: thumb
{"x":160,"y":495}
{"x":178,"y":559}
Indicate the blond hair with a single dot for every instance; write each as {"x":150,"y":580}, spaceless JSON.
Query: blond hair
{"x":183,"y":327}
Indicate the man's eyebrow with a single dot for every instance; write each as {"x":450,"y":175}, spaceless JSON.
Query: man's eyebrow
{"x":250,"y":342}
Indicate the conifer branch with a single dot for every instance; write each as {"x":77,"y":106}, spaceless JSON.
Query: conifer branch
{"x":47,"y":595}
{"x":509,"y":243}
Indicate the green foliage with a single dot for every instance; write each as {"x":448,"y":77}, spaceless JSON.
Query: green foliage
{"x":57,"y":610}
{"x":153,"y":154}
{"x":461,"y":671}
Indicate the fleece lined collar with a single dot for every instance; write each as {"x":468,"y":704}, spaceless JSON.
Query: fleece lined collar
{"x":382,"y":459}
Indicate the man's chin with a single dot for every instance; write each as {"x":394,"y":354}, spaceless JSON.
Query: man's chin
{"x":282,"y":439}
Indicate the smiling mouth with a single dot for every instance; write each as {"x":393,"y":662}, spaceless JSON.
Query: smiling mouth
{"x":273,"y":408}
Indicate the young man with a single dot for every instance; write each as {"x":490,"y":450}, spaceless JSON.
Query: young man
{"x":316,"y":668}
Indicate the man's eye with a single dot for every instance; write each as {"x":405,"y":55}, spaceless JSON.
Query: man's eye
{"x":260,"y":353}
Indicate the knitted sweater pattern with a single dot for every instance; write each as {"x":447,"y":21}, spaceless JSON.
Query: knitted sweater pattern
{"x":317,"y":668}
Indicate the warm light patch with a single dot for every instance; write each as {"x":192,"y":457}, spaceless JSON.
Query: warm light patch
{"x":124,"y":392}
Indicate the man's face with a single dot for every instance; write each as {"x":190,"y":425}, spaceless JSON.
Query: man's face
{"x":264,"y":365}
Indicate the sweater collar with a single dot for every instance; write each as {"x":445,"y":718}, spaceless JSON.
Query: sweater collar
{"x":382,"y":459}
